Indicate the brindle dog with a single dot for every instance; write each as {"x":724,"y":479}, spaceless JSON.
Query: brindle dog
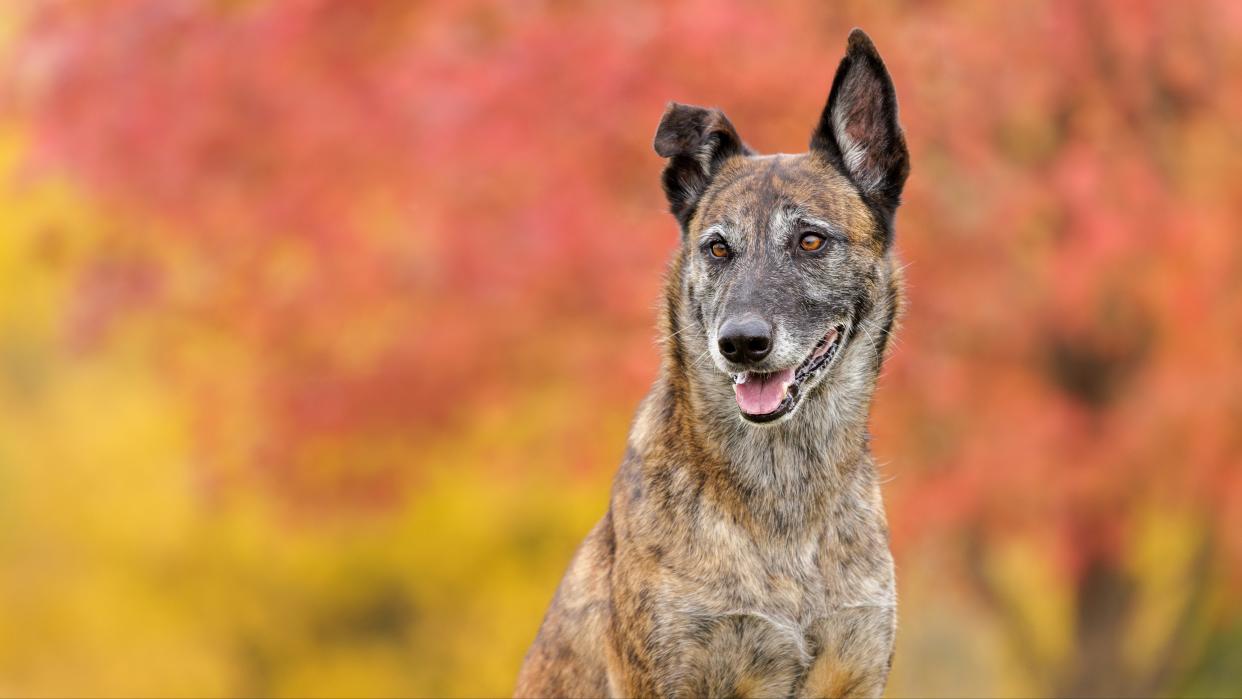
{"x":745,"y":551}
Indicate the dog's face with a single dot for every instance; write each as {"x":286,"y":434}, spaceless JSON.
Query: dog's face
{"x":783,"y":254}
{"x":780,"y":253}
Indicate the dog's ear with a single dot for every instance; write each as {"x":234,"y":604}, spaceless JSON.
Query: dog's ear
{"x":696,"y":141}
{"x":858,"y":130}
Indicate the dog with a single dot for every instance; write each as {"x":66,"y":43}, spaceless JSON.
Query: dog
{"x":745,"y":548}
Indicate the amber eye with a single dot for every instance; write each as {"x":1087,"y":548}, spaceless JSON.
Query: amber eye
{"x":811,"y":242}
{"x":719,"y":249}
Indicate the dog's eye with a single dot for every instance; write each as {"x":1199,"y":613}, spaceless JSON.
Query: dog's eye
{"x":811,"y":242}
{"x":719,"y":249}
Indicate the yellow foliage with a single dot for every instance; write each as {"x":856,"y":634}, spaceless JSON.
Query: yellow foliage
{"x":121,"y":576}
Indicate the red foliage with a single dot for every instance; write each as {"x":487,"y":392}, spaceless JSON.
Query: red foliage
{"x":477,"y":179}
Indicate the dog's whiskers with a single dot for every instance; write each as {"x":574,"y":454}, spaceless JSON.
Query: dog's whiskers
{"x":688,"y":326}
{"x":870,"y":337}
{"x":695,"y":363}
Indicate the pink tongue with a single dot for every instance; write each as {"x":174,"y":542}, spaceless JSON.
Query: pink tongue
{"x":762,"y":393}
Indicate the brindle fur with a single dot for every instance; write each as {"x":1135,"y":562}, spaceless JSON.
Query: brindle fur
{"x":740,"y":559}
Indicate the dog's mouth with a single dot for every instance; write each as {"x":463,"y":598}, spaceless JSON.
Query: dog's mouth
{"x":767,"y":397}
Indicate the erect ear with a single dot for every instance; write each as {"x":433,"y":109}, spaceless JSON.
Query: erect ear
{"x":696,"y":141}
{"x":858,"y":130}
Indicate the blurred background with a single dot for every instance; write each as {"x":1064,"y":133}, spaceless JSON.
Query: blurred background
{"x":322,"y":324}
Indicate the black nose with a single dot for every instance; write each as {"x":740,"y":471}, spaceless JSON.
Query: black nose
{"x":745,"y":339}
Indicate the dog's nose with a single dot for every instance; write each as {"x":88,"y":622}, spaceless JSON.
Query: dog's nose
{"x":745,"y":339}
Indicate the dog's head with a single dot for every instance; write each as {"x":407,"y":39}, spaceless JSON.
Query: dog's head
{"x":786,"y":256}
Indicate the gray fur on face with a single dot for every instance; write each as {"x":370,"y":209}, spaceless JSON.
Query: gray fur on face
{"x":804,"y":296}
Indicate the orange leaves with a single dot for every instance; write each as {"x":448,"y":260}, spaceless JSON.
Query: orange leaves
{"x":403,"y":213}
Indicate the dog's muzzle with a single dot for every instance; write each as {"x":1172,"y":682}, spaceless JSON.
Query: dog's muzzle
{"x":764,"y":397}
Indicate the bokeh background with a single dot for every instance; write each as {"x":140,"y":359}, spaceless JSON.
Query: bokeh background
{"x":322,"y":324}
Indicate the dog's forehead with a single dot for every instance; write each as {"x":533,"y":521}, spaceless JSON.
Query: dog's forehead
{"x":750,"y":189}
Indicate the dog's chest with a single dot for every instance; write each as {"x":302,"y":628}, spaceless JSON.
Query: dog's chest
{"x":787,"y":620}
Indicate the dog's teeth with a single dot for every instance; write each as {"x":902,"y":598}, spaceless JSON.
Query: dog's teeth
{"x":739,"y":378}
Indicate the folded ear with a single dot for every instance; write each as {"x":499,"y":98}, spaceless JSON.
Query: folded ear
{"x":696,"y":141}
{"x":858,"y":130}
